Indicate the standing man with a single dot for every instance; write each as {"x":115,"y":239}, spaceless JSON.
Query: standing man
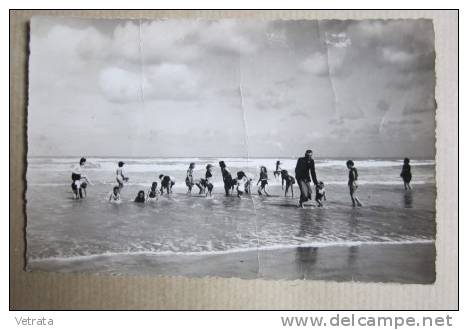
{"x":305,"y":168}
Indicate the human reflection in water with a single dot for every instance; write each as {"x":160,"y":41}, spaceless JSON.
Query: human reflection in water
{"x":353,"y":225}
{"x":306,"y":258}
{"x":408,"y":199}
{"x":353,"y":252}
{"x":310,"y":229}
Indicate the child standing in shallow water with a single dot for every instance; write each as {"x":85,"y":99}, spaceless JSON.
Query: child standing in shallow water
{"x":263,"y":180}
{"x":119,"y":175}
{"x":352,"y":182}
{"x":189,"y":182}
{"x":406,"y":173}
{"x":208,"y":179}
{"x":242,"y":183}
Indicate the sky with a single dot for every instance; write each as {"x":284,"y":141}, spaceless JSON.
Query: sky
{"x":231,"y":88}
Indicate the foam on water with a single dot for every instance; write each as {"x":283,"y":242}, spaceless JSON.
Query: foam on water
{"x":236,"y":250}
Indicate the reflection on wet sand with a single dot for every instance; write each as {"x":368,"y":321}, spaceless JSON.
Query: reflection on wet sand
{"x":408,"y":199}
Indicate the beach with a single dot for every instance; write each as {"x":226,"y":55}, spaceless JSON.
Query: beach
{"x":386,"y":263}
{"x":390,"y":239}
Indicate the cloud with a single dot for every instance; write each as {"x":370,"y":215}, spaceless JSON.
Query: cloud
{"x":171,"y":81}
{"x":158,"y":82}
{"x":383,"y":106}
{"x":408,"y":60}
{"x":403,"y":45}
{"x":154,"y":42}
{"x":338,"y":40}
{"x":397,"y":56}
{"x":240,"y":40}
{"x":336,"y":121}
{"x":316,"y":64}
{"x":273,"y":100}
{"x":298,"y":113}
{"x":402,"y":122}
{"x":349,"y":110}
{"x":120,"y":86}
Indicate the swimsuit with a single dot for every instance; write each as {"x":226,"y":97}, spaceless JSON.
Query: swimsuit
{"x":189,"y":178}
{"x":114,"y":198}
{"x":406,"y":173}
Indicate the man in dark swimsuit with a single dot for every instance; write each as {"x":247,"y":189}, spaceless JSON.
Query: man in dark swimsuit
{"x":305,"y":169}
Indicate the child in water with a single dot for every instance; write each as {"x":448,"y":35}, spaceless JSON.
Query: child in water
{"x":167,"y":183}
{"x":289,"y":180}
{"x":263,"y":180}
{"x":352,"y":182}
{"x":227,"y":178}
{"x":242,"y":183}
{"x":189,"y":179}
{"x":120,"y":177}
{"x":114,"y":196}
{"x":153,"y":193}
{"x":320,"y":193}
{"x":208,"y":178}
{"x":79,"y":180}
{"x":278,"y":170}
{"x":140,"y":198}
{"x":201,"y":184}
{"x":406,"y":174}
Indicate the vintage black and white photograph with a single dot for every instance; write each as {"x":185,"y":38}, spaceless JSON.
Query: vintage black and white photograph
{"x":235,"y":148}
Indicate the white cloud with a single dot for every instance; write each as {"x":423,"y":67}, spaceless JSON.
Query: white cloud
{"x":119,"y":85}
{"x":397,"y":56}
{"x":158,"y":82}
{"x":170,"y":81}
{"x":228,"y":35}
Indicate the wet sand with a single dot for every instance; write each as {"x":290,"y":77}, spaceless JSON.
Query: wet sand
{"x":401,"y":263}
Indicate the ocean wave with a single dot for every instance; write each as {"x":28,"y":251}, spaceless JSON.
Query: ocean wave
{"x":233,"y":250}
{"x":219,"y":184}
{"x":157,"y":164}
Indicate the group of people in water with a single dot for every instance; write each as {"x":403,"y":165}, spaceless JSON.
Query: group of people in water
{"x":240,"y":184}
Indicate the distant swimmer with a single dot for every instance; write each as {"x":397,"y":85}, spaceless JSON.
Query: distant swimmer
{"x":406,"y":174}
{"x":140,"y":198}
{"x":263,"y":181}
{"x":289,"y":180}
{"x":320,"y":194}
{"x":305,"y":172}
{"x":153,"y":193}
{"x":227,"y":178}
{"x":352,"y":183}
{"x":114,"y":196}
{"x":120,"y":177}
{"x":209,"y":178}
{"x":167,"y":182}
{"x":189,"y":182}
{"x":79,"y":179}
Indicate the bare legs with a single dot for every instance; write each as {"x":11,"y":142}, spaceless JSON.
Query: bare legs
{"x":352,"y":193}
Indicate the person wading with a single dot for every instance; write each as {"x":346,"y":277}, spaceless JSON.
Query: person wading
{"x":305,"y":172}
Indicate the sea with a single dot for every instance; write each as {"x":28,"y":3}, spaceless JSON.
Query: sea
{"x":62,"y":228}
